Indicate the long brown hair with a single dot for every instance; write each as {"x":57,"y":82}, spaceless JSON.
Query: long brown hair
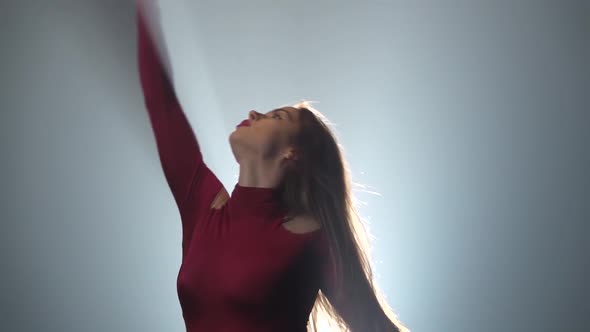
{"x":318,"y":184}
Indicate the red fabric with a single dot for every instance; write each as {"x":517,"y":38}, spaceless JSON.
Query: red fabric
{"x":241,"y":269}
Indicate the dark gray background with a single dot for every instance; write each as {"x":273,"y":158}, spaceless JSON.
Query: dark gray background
{"x":470,"y":119}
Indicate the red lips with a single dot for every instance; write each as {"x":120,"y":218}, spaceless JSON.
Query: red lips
{"x":244,"y":123}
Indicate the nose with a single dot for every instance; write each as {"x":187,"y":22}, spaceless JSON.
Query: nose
{"x":253,"y":115}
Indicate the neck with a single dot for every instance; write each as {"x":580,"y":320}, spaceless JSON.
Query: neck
{"x":260,"y":173}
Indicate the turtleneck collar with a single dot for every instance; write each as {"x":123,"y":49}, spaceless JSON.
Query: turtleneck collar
{"x":256,"y":201}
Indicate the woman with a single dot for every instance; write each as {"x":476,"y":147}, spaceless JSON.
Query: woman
{"x":287,"y":236}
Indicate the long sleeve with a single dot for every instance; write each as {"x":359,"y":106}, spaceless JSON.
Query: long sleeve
{"x":190,"y":180}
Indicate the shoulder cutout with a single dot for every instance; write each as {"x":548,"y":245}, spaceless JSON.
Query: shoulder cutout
{"x":220,"y":200}
{"x":302,"y":225}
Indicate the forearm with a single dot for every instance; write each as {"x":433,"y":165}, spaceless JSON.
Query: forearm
{"x":155,"y":82}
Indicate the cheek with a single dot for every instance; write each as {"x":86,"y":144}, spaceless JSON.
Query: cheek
{"x":261,"y":141}
{"x":270,"y":142}
{"x":266,"y":142}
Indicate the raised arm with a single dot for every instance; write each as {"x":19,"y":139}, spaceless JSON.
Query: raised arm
{"x":177,"y":145}
{"x":192,"y":184}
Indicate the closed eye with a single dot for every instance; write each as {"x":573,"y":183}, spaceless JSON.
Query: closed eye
{"x":280,"y":114}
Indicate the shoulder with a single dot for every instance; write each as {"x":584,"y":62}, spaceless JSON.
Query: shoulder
{"x":302,"y":224}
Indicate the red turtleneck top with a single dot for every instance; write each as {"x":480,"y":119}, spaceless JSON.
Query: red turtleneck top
{"x":241,"y":269}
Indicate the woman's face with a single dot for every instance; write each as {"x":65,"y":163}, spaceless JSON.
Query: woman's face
{"x":266,"y":135}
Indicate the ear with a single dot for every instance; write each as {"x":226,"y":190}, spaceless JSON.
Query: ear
{"x":291,"y":154}
{"x":290,"y":158}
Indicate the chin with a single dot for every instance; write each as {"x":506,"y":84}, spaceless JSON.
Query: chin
{"x":234,"y":136}
{"x":235,"y":139}
{"x":232,"y":144}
